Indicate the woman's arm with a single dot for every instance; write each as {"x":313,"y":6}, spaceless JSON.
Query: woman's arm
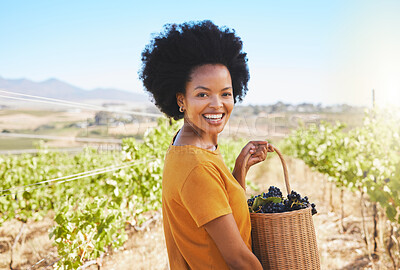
{"x":253,"y":153}
{"x":225,"y":233}
{"x":240,"y":172}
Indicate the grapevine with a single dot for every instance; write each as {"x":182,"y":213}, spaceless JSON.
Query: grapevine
{"x":365,"y":160}
{"x":93,"y":212}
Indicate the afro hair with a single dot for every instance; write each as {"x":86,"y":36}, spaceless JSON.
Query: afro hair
{"x":173,"y":54}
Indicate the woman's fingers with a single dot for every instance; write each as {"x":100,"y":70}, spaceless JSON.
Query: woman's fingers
{"x":258,"y":150}
{"x":260,"y":145}
{"x":270,"y":148}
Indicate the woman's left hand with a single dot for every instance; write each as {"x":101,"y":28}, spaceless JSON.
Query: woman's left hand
{"x":253,"y":153}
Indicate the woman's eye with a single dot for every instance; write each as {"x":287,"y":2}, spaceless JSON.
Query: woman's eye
{"x":205,"y":94}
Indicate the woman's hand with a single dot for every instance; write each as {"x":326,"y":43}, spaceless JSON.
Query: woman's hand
{"x":253,"y":153}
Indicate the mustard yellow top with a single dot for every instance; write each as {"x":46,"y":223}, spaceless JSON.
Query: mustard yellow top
{"x":198,"y":187}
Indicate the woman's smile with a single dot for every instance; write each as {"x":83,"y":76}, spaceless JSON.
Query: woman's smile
{"x":208,"y":101}
{"x":214,"y":119}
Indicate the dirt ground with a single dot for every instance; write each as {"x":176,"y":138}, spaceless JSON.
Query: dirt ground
{"x":146,"y":249}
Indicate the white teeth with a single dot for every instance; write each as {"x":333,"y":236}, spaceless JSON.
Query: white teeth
{"x":213,"y":116}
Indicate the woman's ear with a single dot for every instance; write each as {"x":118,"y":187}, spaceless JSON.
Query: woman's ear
{"x":179,"y":99}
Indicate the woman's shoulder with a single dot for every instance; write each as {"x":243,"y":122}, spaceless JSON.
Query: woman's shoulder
{"x":179,"y":165}
{"x":189,"y":156}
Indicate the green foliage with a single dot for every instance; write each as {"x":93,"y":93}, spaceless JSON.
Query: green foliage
{"x":87,"y":232}
{"x":91,"y":212}
{"x":128,"y":193}
{"x":261,"y":201}
{"x":366,"y":158}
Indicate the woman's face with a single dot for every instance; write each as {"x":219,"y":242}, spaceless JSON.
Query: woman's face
{"x":208,"y":101}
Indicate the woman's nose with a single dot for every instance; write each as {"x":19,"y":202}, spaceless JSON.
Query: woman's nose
{"x":216,"y":102}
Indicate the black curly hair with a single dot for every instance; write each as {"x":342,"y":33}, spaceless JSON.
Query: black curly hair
{"x":170,"y":58}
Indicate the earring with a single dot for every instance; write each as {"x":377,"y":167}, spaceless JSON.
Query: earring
{"x":181,"y":109}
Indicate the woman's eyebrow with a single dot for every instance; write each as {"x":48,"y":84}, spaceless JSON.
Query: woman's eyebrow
{"x":207,"y":89}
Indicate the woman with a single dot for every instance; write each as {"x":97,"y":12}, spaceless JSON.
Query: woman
{"x":197,"y":71}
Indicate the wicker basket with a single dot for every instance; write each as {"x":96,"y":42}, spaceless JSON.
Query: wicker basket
{"x":285,"y":240}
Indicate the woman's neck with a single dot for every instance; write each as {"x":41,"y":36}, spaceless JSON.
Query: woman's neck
{"x":190,"y":136}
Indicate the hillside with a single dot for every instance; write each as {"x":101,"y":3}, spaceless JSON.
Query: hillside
{"x":54,"y":88}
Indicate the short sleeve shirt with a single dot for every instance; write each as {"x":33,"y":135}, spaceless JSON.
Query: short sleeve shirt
{"x":197,"y":187}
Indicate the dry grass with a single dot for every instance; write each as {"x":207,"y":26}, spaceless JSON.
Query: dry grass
{"x":146,"y":250}
{"x":33,"y":245}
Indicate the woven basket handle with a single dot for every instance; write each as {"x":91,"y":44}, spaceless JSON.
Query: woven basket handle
{"x":285,"y":171}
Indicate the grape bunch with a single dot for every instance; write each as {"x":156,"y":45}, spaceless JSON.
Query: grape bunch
{"x":274,"y":202}
{"x":273,"y":192}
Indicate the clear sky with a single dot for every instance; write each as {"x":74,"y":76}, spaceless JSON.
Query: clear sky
{"x":325,"y":52}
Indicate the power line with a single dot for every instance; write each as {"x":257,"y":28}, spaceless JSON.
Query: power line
{"x":46,"y":98}
{"x":71,"y":104}
{"x":63,"y":177}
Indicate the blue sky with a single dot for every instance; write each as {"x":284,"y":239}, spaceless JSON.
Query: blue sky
{"x":299,"y":51}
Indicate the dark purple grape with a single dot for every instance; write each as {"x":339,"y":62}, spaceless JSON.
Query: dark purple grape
{"x":293,"y":201}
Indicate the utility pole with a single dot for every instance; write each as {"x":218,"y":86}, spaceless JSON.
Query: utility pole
{"x":373,"y":98}
{"x":374,"y":204}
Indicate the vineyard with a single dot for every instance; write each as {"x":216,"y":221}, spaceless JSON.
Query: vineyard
{"x":366,"y":161}
{"x":96,"y":196}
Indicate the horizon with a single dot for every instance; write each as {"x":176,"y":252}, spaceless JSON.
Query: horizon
{"x":146,"y":95}
{"x":312,"y":52}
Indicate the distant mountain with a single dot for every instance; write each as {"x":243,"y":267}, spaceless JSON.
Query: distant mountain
{"x":54,"y":88}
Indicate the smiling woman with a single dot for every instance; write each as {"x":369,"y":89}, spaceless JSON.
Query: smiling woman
{"x":197,"y":71}
{"x":208,"y":103}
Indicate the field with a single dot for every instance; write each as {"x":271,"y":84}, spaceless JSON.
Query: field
{"x":146,"y":249}
{"x":80,"y":123}
{"x":344,"y":234}
{"x":66,"y":125}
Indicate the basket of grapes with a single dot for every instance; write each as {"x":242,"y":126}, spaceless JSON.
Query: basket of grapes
{"x":282,"y":229}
